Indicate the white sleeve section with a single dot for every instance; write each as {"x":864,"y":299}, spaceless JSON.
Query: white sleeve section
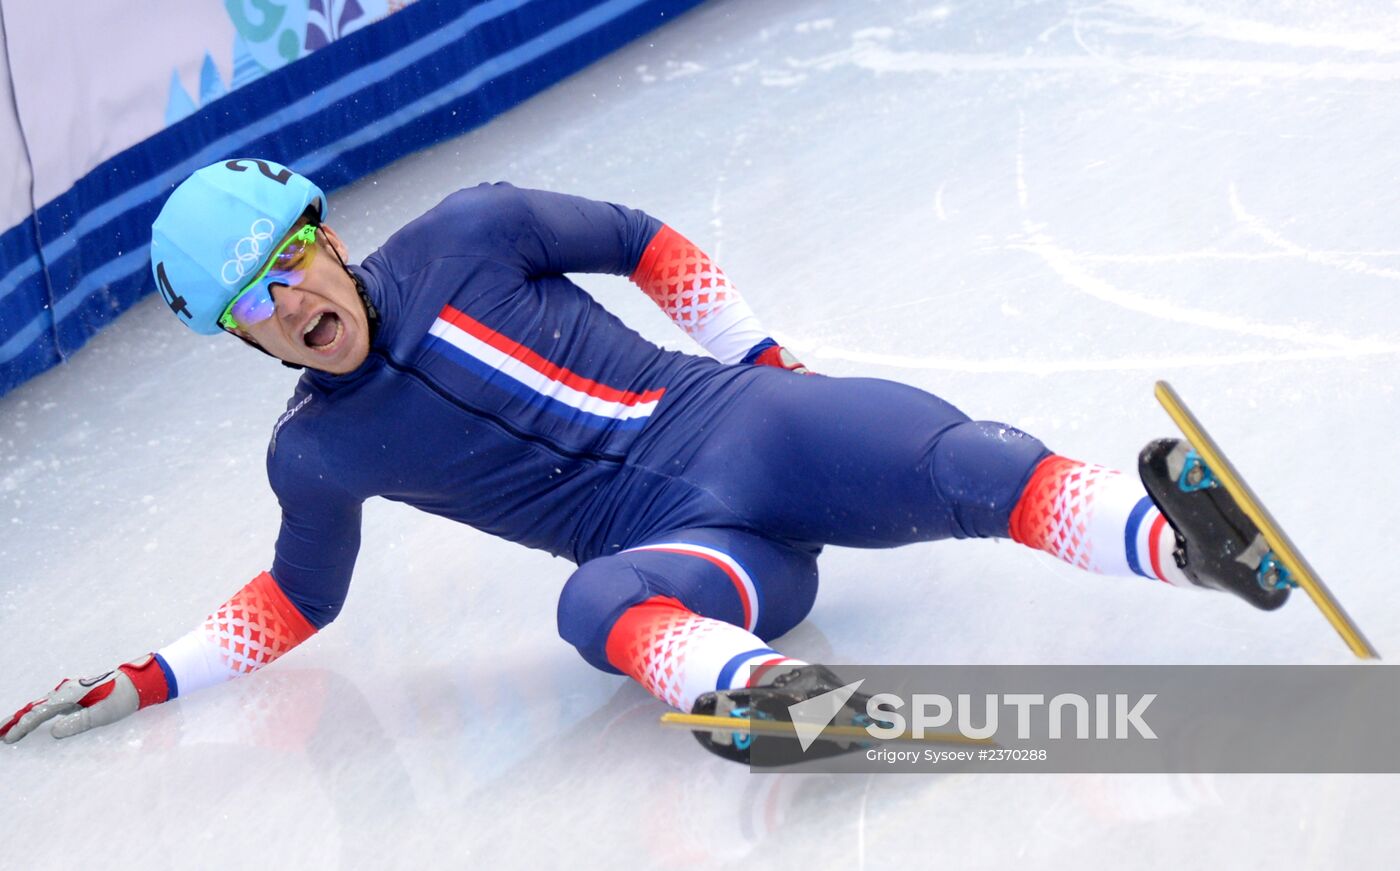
{"x":195,"y":662}
{"x":731,"y":333}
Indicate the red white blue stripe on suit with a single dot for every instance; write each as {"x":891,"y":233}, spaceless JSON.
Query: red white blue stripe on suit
{"x":743,"y":583}
{"x":538,"y":381}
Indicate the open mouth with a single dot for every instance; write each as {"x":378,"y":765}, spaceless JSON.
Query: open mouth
{"x":323,"y":332}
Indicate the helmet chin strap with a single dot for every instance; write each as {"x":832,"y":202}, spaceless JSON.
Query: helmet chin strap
{"x":371,"y":312}
{"x":371,"y":316}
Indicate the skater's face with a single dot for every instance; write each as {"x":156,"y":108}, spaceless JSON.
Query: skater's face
{"x":320,"y":323}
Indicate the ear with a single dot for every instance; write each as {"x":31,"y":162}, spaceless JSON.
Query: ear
{"x":336,"y":243}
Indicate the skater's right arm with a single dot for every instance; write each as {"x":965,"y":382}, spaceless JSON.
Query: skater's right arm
{"x":542,"y":233}
{"x":270,"y":615}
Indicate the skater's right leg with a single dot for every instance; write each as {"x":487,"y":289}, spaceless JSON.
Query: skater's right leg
{"x":689,"y":615}
{"x":690,"y":612}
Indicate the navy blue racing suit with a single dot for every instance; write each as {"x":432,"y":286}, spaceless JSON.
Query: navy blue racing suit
{"x":501,"y":395}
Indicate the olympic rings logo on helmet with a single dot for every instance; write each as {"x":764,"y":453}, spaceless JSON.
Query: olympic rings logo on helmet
{"x":248,"y":251}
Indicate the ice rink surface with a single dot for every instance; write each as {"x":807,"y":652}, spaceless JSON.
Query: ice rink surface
{"x":1033,"y":210}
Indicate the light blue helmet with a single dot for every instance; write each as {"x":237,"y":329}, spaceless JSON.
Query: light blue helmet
{"x":218,"y":228}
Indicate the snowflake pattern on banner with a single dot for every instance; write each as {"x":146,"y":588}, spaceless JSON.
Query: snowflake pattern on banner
{"x":329,"y":20}
{"x":269,"y":35}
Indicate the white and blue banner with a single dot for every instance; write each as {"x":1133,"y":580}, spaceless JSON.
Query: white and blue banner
{"x":106,"y":106}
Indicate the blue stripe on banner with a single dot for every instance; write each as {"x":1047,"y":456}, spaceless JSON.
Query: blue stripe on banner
{"x":36,"y":359}
{"x":128,"y":264}
{"x":496,"y":67}
{"x":1130,"y":534}
{"x":421,"y":75}
{"x":22,"y":270}
{"x":726,"y":674}
{"x":531,"y":396}
{"x":33,"y":349}
{"x":26,"y":336}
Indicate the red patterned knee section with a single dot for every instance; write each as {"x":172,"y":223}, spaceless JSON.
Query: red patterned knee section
{"x":677,"y":655}
{"x":1055,"y":510}
{"x":1032,"y":521}
{"x":637,"y":645}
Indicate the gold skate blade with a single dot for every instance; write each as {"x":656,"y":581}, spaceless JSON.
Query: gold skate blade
{"x":1284,"y":549}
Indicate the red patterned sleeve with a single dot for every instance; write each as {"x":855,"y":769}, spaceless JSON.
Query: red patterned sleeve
{"x":696,"y":294}
{"x":250,"y":630}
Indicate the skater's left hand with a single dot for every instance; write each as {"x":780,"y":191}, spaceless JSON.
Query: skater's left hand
{"x":777,"y":355}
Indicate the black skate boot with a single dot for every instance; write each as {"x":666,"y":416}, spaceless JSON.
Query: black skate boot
{"x":771,"y":700}
{"x":1217,"y":546}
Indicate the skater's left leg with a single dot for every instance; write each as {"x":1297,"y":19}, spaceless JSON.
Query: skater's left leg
{"x":868,"y":463}
{"x":1096,"y":519}
{"x":858,"y":462}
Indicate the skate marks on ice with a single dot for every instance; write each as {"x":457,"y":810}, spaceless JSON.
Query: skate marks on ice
{"x":1347,"y":261}
{"x":1093,"y":28}
{"x":1174,"y":20}
{"x":1068,"y":267}
{"x":1170,"y":24}
{"x":1021,"y":366}
{"x":1328,"y":47}
{"x":1072,"y":268}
